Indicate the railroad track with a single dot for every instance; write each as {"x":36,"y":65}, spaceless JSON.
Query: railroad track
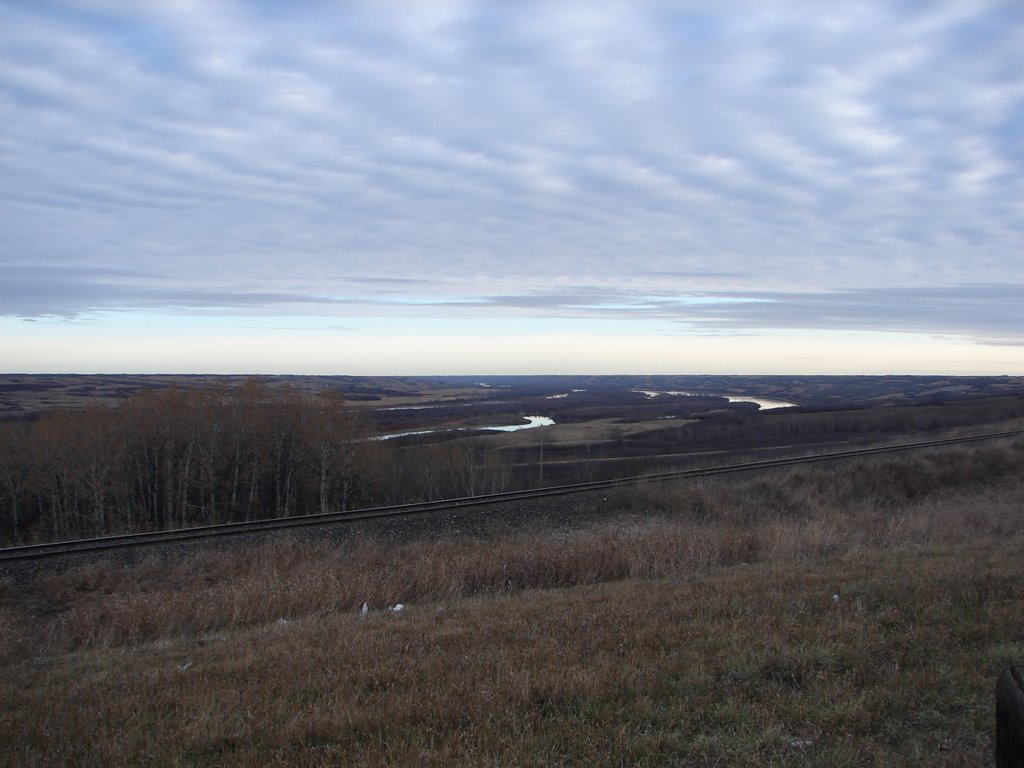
{"x":85,"y":546}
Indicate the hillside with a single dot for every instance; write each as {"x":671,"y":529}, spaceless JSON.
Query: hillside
{"x":855,"y":616}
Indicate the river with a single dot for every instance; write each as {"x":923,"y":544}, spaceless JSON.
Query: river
{"x":763,"y":403}
{"x":532,"y":423}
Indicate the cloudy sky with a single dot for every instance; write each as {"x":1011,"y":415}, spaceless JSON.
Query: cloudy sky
{"x":425,"y":186}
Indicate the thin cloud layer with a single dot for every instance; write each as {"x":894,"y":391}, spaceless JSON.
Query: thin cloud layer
{"x":755,"y":165}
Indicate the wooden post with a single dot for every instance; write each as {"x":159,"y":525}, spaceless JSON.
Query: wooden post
{"x":1010,"y":718}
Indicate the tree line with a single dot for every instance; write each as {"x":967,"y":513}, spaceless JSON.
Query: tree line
{"x":175,"y":458}
{"x":870,"y":422}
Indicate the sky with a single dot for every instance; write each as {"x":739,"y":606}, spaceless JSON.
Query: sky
{"x":440,"y":187}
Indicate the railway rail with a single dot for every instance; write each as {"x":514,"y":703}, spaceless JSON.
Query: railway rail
{"x":84,"y":546}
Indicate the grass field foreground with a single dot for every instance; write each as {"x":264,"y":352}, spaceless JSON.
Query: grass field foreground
{"x":699,"y":627}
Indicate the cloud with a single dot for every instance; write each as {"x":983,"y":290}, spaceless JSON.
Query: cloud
{"x":855,"y":166}
{"x":988,"y":313}
{"x":984,"y":312}
{"x":46,"y":291}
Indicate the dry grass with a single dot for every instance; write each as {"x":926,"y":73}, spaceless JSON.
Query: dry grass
{"x":697,"y":629}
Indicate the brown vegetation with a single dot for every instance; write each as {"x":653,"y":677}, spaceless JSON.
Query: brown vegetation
{"x":224,"y":451}
{"x":176,"y":458}
{"x":696,"y":628}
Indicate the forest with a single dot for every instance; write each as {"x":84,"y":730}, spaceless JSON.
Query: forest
{"x":172,"y":458}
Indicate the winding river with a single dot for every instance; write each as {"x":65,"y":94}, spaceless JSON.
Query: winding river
{"x":532,"y":422}
{"x":763,"y":403}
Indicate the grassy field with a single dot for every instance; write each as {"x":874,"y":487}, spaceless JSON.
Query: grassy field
{"x":697,"y":627}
